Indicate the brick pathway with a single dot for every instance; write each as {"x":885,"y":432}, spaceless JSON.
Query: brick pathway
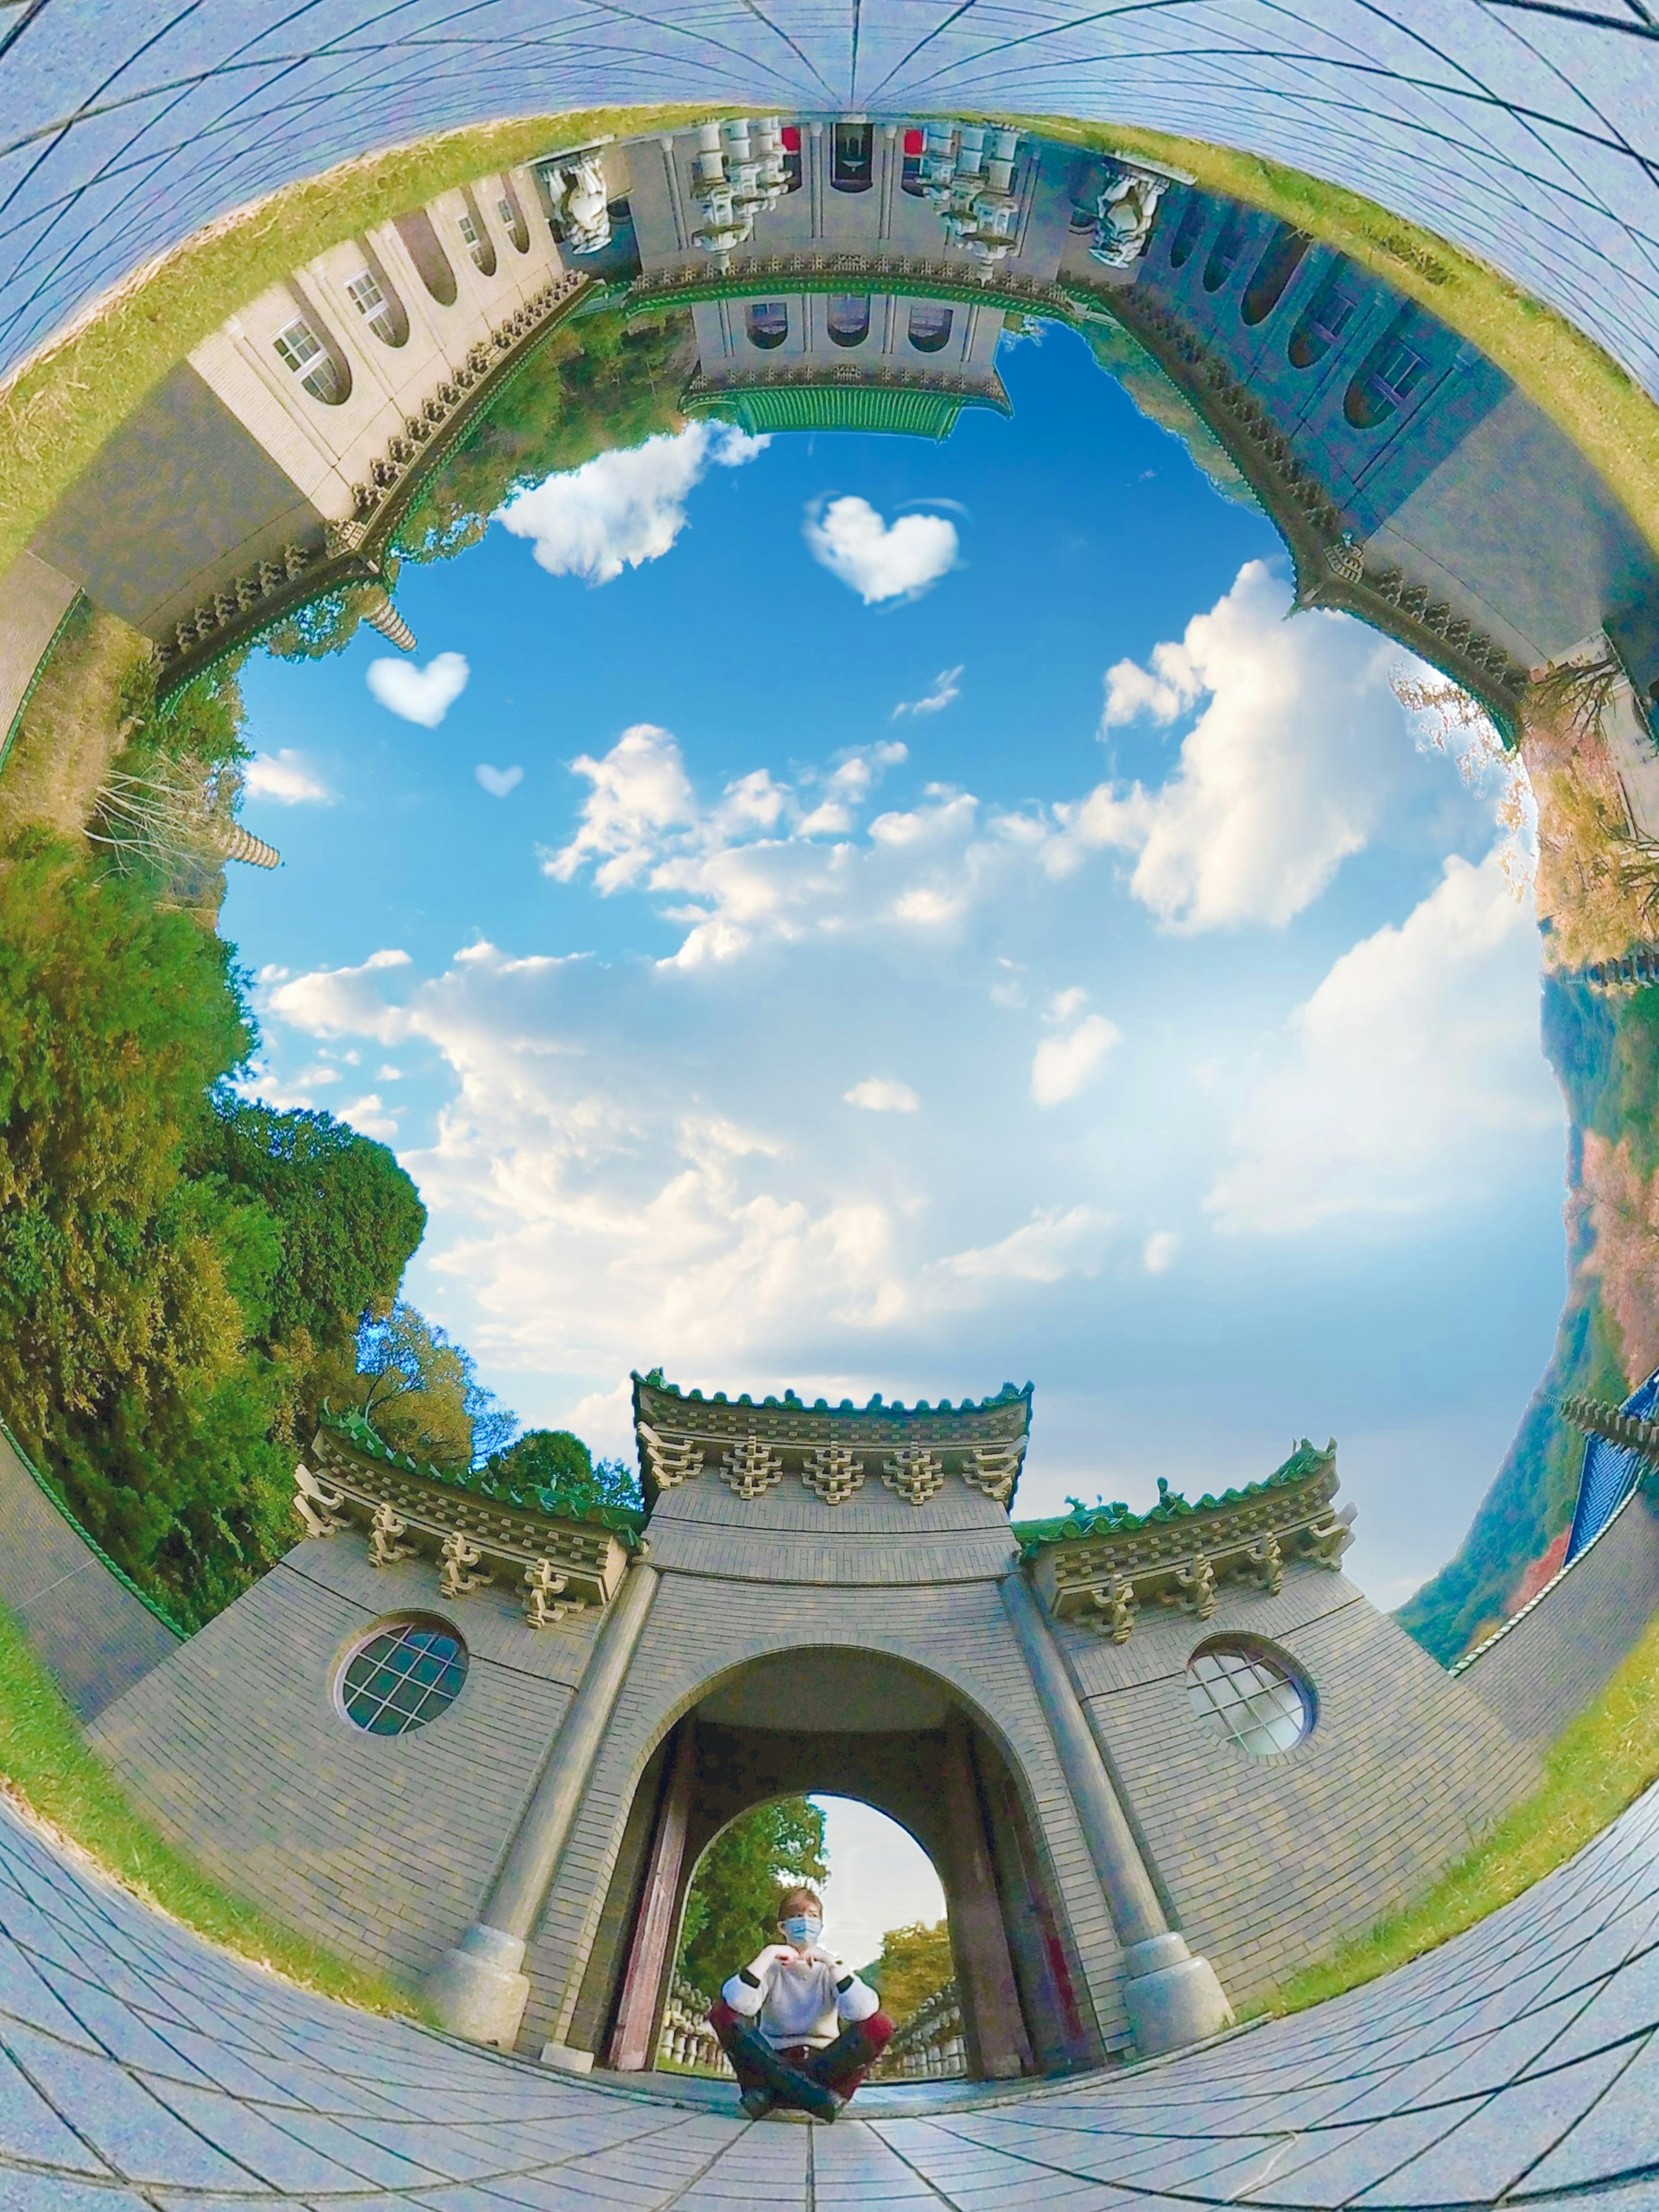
{"x":145,"y":2071}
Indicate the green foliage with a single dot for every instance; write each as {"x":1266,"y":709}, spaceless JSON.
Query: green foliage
{"x":1605,"y":1052}
{"x":561,"y":1467}
{"x":45,"y":1761}
{"x":350,"y":1217}
{"x":171,"y":1261}
{"x":597,"y":383}
{"x":731,"y":1911}
{"x":418,"y":1391}
{"x":1530,"y":1502}
{"x":915,"y":1965}
{"x":328,"y":623}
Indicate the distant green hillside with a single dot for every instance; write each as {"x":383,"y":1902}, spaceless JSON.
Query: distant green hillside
{"x":1605,"y":1052}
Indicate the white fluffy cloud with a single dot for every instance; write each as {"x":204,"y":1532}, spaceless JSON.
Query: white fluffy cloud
{"x":623,"y":509}
{"x":1413,"y":1081}
{"x":1067,"y":1063}
{"x":1158,"y":1254}
{"x":498,"y":782}
{"x":285,"y":777}
{"x":419,"y":695}
{"x":599,"y":1216}
{"x":947,"y":688}
{"x":883,"y":1094}
{"x":770,"y":861}
{"x":1287,"y":771}
{"x":881,"y":560}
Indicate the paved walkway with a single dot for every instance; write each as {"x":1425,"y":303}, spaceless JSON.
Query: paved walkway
{"x":145,"y":2071}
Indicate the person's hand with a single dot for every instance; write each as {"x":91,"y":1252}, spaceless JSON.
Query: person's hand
{"x":775,"y":1954}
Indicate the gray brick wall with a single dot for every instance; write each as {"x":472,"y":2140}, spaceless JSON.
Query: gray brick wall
{"x":1554,"y":1658}
{"x":1267,"y":1863}
{"x":702,"y":1629}
{"x":94,"y":1635}
{"x":382,"y":1846}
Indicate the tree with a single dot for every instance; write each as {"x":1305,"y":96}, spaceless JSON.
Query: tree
{"x":417,"y":1391}
{"x":350,"y":1218}
{"x":916,"y":1963}
{"x":560,"y":1465}
{"x":732,"y":1909}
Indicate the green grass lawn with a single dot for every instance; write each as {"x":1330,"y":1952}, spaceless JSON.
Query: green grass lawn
{"x":48,"y":1767}
{"x":56,"y":410}
{"x":1582,"y":390}
{"x":1595,"y":1767}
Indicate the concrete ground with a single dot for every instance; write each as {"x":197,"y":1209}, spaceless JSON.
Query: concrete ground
{"x":1519,"y":2063}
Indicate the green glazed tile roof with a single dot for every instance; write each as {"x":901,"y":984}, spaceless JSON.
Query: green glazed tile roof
{"x":1010,"y":1394}
{"x":1112,"y":1520}
{"x":527,"y":1497}
{"x":758,"y":409}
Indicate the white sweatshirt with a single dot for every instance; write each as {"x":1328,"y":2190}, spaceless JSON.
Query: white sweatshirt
{"x":805,"y":2001}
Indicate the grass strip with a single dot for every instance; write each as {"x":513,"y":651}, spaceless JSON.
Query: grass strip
{"x":1600,"y":1762}
{"x":1566,"y":374}
{"x":59,"y":406}
{"x":48,"y":1769}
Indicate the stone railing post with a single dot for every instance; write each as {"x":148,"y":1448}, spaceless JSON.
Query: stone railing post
{"x":1171,"y":1997}
{"x":478,"y":1989}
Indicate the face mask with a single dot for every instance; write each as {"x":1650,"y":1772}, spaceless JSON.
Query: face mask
{"x":803,"y":1933}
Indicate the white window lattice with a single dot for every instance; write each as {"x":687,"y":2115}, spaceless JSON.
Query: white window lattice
{"x":1237,"y":1692}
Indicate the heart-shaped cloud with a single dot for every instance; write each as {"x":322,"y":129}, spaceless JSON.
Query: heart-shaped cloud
{"x":880,"y":559}
{"x":420,"y":694}
{"x":498,"y":782}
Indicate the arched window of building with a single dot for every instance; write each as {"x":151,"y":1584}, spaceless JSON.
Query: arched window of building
{"x":1187,"y":231}
{"x":474,"y":236}
{"x":1326,"y":318}
{"x":1273,"y":272}
{"x":432,"y":263}
{"x":848,"y":318}
{"x":769,"y":323}
{"x":851,"y":166}
{"x":301,"y":351}
{"x":910,"y":176}
{"x":1391,"y":372}
{"x":512,"y":216}
{"x":930,"y":325}
{"x":378,"y":306}
{"x":791,"y":168}
{"x":1229,"y":249}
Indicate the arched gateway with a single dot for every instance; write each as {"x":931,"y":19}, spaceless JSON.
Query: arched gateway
{"x":1157,"y":1758}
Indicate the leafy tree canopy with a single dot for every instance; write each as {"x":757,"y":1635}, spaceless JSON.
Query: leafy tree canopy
{"x":562,"y":1464}
{"x":916,"y":1963}
{"x":416,"y":1390}
{"x":597,"y":383}
{"x":731,"y":1911}
{"x":349,"y":1216}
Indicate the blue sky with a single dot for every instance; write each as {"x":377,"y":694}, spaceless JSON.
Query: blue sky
{"x":1141,"y":1010}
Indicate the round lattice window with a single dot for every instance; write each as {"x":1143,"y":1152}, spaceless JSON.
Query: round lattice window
{"x":1250,"y":1695}
{"x":402,"y":1676}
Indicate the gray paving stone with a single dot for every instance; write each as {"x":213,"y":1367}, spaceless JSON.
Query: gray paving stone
{"x":30,"y":2128}
{"x":138,"y":2138}
{"x":48,"y":2192}
{"x":1618,"y":2134}
{"x":1480,"y":2158}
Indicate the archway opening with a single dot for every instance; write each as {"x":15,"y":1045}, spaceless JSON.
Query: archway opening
{"x":851,"y":1724}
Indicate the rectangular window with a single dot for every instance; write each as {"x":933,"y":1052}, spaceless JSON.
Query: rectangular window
{"x":1400,"y":372}
{"x":297,"y":346}
{"x":468,"y":228}
{"x":364,"y":294}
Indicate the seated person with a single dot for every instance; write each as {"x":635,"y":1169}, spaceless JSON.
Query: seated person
{"x":799,"y":2030}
